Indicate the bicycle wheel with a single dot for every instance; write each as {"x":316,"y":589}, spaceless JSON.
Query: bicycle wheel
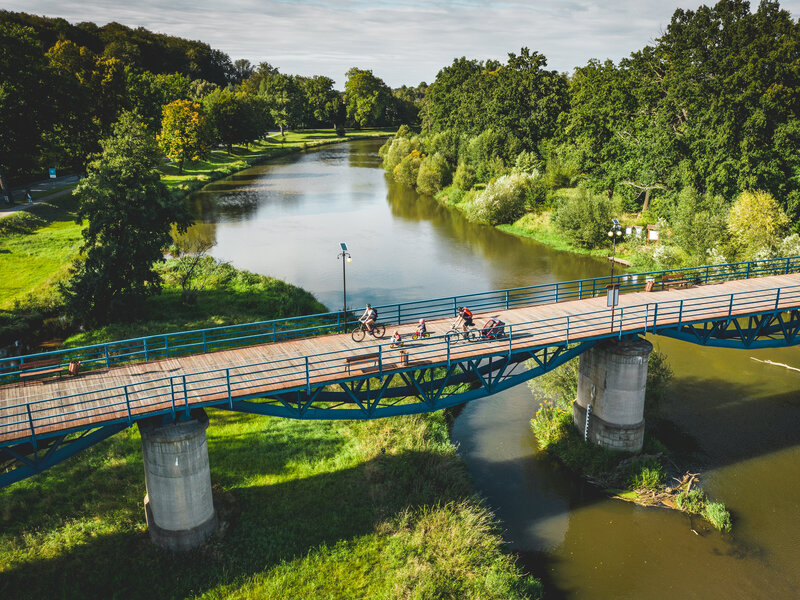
{"x":378,"y":330}
{"x":454,"y":336}
{"x":414,"y":335}
{"x":358,"y":334}
{"x":471,"y":335}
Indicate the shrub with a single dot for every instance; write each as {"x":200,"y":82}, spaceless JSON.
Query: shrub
{"x":559,"y":385}
{"x":757,"y":222}
{"x":551,"y":425}
{"x":503,"y":200}
{"x":447,"y":143}
{"x":396,"y":150}
{"x":584,"y":217}
{"x":645,"y":474}
{"x":433,"y":174}
{"x":407,"y":171}
{"x":464,"y":178}
{"x":403,"y":131}
{"x":692,"y":502}
{"x":699,"y":222}
{"x":21,"y":222}
{"x":490,"y":152}
{"x":659,"y":374}
{"x":718,"y":516}
{"x":528,"y":162}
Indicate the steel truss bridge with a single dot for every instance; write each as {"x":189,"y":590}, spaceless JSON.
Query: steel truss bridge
{"x":303,"y":367}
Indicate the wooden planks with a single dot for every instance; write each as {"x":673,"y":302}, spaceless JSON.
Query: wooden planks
{"x":128,"y":391}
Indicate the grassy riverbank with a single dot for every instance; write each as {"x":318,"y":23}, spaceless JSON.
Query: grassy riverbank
{"x":309,"y":509}
{"x":35,"y":253}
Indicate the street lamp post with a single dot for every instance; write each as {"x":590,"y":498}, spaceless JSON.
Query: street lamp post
{"x":613,"y":290}
{"x":346,"y":258}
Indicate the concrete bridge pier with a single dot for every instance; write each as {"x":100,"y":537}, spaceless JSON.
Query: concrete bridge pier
{"x":178,"y":506}
{"x":611,"y":381}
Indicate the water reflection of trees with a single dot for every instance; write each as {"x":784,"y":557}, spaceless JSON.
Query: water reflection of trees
{"x":509,"y":256}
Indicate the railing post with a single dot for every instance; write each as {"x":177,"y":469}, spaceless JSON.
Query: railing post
{"x":172,"y":395}
{"x":594,"y":287}
{"x":786,"y":270}
{"x":707,"y":275}
{"x":777,"y":298}
{"x":621,"y":311}
{"x":146,"y":354}
{"x":507,"y":303}
{"x":308,"y":378}
{"x":380,"y":362}
{"x":30,"y":423}
{"x":128,"y":405}
{"x":398,"y":315}
{"x":730,"y":308}
{"x":108,"y":357}
{"x":556,"y":293}
{"x":680,"y":314}
{"x":655,"y":317}
{"x":447,"y":343}
{"x":747,"y":272}
{"x":274,"y":335}
{"x":166,"y":347}
{"x":646,"y":315}
{"x":205,"y":349}
{"x":567,"y":330}
{"x":580,"y":290}
{"x":228,"y":383}
{"x":186,"y":397}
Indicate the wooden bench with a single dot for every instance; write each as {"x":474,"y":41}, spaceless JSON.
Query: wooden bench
{"x":361,"y":358}
{"x":675,"y":281}
{"x":37,"y":368}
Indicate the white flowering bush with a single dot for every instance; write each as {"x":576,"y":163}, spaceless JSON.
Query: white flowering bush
{"x":503,"y":200}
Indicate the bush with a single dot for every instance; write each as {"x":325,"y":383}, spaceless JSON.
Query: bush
{"x":403,"y":131}
{"x":584,"y":217}
{"x":528,"y":162}
{"x":395,"y":150}
{"x":447,"y":143}
{"x":645,"y":474}
{"x":407,"y":171}
{"x":503,"y":200}
{"x":718,"y":516}
{"x":433,"y":174}
{"x":20,"y":222}
{"x":699,"y":222}
{"x":464,"y":178}
{"x":490,"y":152}
{"x":757,"y":223}
{"x":692,"y":502}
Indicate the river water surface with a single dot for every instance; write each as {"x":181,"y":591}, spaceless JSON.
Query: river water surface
{"x":736,"y":419}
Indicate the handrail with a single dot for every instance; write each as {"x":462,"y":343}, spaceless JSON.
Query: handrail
{"x":213,"y":339}
{"x":177,"y":393}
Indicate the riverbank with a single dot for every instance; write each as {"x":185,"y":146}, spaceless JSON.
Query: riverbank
{"x":323,"y":509}
{"x":35,"y":253}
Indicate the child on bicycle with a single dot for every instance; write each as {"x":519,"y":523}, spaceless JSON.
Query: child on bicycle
{"x":397,"y":340}
{"x":422,"y":329}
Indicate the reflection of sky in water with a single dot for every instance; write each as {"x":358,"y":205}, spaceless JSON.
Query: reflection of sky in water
{"x":286,"y":220}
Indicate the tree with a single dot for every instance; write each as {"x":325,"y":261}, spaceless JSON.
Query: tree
{"x":184,"y":132}
{"x":235,"y":117}
{"x":322,"y":101}
{"x":284,"y":98}
{"x":130,"y":213}
{"x":756,"y":222}
{"x":366,"y":97}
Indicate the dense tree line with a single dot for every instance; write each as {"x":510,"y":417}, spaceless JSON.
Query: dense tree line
{"x":63,"y":86}
{"x":680,"y":133}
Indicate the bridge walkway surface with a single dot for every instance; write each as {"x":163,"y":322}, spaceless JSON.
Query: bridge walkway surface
{"x":129,"y":392}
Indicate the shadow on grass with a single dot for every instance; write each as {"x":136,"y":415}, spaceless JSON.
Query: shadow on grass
{"x":263,"y":525}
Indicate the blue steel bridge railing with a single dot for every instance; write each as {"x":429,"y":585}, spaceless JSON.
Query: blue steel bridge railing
{"x":100,"y":356}
{"x":35,"y":418}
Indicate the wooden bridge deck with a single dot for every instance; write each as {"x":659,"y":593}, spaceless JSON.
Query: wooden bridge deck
{"x":130,"y":391}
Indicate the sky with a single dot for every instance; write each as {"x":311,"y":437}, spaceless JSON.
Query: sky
{"x":403,"y":42}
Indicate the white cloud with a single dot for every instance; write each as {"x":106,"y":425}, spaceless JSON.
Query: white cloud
{"x":402,"y":41}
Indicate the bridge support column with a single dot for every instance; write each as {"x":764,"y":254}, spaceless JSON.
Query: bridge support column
{"x":611,"y":379}
{"x":178,"y":505}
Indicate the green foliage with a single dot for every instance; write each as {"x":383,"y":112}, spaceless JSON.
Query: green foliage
{"x":407,"y":171}
{"x":757,"y":223}
{"x":129,"y":212}
{"x":366,"y":97}
{"x":717,"y":515}
{"x":396,"y":149}
{"x":644,"y":473}
{"x":699,"y":222}
{"x":434,"y":174}
{"x":503,"y":200}
{"x":693,"y":501}
{"x":20,"y":222}
{"x":584,"y":217}
{"x":464,"y":177}
{"x":184,"y":132}
{"x":489,"y":153}
{"x":551,"y":425}
{"x":659,"y":377}
{"x":528,"y":162}
{"x":559,"y":385}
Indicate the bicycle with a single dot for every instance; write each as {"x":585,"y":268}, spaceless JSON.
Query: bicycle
{"x":360,"y":332}
{"x":416,"y":336}
{"x":457,"y":334}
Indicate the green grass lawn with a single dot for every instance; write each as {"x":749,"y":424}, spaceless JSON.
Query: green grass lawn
{"x":33,"y":260}
{"x":309,"y":509}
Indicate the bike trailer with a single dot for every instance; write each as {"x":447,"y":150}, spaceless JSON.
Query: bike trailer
{"x":493,"y":328}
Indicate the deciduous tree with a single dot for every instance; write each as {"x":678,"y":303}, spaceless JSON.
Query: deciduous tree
{"x":184,"y":132}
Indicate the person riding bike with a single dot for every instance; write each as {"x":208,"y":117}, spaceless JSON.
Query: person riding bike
{"x":465,"y":315}
{"x":369,"y":317}
{"x":422,"y":329}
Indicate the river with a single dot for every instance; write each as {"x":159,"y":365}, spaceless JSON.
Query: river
{"x":737,"y":420}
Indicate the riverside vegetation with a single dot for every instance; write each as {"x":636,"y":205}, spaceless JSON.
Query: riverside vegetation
{"x":650,"y":478}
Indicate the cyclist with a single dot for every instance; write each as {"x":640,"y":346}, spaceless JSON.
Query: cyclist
{"x":422,"y":329}
{"x":369,"y":317}
{"x":465,"y":315}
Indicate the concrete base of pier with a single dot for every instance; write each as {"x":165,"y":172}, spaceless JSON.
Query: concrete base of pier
{"x":611,"y":380}
{"x":178,"y":506}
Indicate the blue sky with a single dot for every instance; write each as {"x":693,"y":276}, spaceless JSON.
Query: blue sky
{"x":401,"y":41}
